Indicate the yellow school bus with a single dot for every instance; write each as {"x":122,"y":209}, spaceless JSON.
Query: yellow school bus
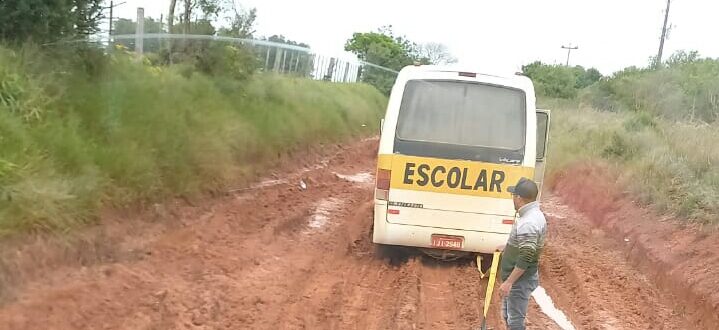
{"x":451,"y":143}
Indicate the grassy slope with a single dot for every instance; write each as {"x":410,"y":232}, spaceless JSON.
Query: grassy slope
{"x":667,"y":164}
{"x":70,"y":143}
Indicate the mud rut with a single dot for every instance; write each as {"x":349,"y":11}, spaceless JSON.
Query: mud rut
{"x":279,"y":257}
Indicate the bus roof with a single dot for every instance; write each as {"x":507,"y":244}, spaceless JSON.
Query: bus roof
{"x":412,"y":72}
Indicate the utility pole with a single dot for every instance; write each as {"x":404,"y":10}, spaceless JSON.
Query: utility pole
{"x":569,"y":51}
{"x":658,"y":61}
{"x":112,"y":6}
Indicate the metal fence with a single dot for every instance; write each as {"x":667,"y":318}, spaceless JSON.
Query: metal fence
{"x":272,"y":56}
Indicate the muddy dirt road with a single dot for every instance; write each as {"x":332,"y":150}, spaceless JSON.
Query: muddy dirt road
{"x":279,"y":257}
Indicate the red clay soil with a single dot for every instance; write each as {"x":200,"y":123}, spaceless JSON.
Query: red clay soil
{"x":275,"y":256}
{"x":680,"y":262}
{"x":271,"y":257}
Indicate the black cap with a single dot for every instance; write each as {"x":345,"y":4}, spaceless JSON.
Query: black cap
{"x":525,"y":188}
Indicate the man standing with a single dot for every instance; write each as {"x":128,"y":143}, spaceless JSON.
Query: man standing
{"x":520,"y":259}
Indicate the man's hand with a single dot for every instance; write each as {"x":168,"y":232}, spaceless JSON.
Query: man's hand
{"x":513,"y":277}
{"x":504,"y":288}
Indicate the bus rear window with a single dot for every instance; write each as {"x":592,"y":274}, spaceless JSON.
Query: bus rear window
{"x":462,"y":113}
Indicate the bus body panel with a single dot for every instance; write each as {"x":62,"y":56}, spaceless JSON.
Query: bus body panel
{"x":461,"y":199}
{"x":418,"y":236}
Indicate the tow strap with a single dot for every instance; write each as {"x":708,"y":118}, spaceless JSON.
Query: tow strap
{"x":490,"y":284}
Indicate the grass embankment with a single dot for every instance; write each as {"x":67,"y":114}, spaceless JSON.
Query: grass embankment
{"x":113,"y":132}
{"x":658,"y":129}
{"x":667,"y":164}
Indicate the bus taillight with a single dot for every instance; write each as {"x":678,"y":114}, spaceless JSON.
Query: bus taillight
{"x":382,"y":186}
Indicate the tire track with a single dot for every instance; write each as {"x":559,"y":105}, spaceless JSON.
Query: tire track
{"x":592,"y":280}
{"x":281,"y":257}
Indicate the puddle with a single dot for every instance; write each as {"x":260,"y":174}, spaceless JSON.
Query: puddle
{"x":552,"y":215}
{"x":362,"y":177}
{"x":547,"y":307}
{"x":268,"y":183}
{"x":323,"y":211}
{"x":322,"y":164}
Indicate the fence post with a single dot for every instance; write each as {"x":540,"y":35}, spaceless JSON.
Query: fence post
{"x":292,"y":60}
{"x":140,"y":30}
{"x":311,"y":62}
{"x":330,"y":69}
{"x":278,"y":60}
{"x":284,"y":59}
{"x":267,"y":59}
{"x":345,"y":77}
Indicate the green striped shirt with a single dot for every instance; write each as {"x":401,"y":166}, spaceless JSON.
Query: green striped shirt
{"x":525,"y":242}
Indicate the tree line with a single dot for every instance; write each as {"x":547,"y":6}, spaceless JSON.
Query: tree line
{"x":49,"y":22}
{"x":684,"y":87}
{"x":560,"y":81}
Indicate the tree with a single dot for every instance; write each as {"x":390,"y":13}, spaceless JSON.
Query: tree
{"x":171,"y":16}
{"x":558,"y":80}
{"x":585,"y":78}
{"x":682,"y":57}
{"x":48,"y":20}
{"x":384,"y":49}
{"x":209,"y":9}
{"x":437,"y":53}
{"x":242,"y":23}
{"x":552,"y":80}
{"x":211,"y":57}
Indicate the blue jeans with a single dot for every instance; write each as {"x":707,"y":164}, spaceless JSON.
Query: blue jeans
{"x":514,"y":305}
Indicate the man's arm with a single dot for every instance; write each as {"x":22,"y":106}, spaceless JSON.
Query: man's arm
{"x":515,"y":275}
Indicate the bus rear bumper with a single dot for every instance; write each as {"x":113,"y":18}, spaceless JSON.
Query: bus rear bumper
{"x":421,"y":236}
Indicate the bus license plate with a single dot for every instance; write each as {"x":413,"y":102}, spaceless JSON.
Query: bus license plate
{"x":447,"y":242}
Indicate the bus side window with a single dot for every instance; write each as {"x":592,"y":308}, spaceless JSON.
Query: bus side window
{"x":542,"y":136}
{"x":542,"y":133}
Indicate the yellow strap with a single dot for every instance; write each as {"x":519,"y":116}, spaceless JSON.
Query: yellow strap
{"x":490,"y":285}
{"x":479,"y":267}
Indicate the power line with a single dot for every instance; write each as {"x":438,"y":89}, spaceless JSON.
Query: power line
{"x":569,"y":51}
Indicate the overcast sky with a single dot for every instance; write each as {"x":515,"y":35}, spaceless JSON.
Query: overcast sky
{"x":494,"y":35}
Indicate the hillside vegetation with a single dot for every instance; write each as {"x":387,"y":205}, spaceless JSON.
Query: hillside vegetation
{"x":657,"y":128}
{"x":80,"y":130}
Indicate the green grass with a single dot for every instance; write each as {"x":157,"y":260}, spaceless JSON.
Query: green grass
{"x":656,"y":128}
{"x":119,"y":131}
{"x":667,"y":164}
{"x":685,"y":89}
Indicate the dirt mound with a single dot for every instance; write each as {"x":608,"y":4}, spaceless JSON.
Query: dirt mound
{"x":680,"y":259}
